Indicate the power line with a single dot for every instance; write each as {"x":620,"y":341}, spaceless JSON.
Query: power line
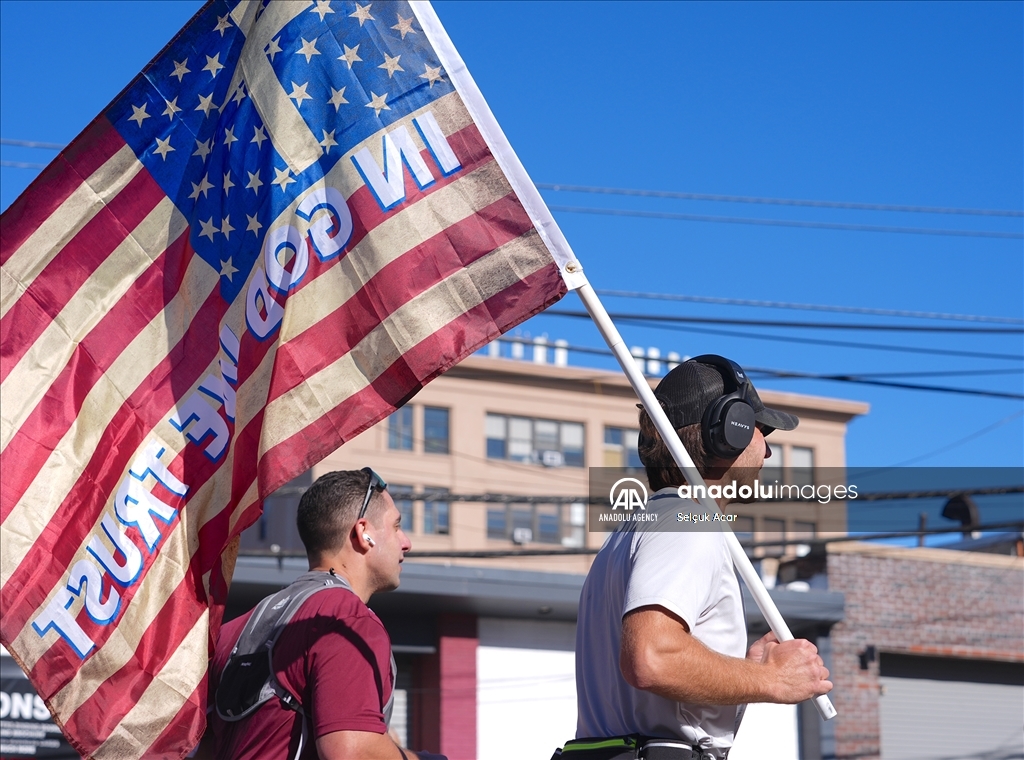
{"x":788,"y":223}
{"x":673,"y":318}
{"x":781,"y":201}
{"x":961,"y":441}
{"x":824,"y":342}
{"x":809,"y":307}
{"x":22,"y":165}
{"x":781,"y":374}
{"x":31,"y":144}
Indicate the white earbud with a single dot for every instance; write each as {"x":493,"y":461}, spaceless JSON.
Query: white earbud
{"x":369,"y":540}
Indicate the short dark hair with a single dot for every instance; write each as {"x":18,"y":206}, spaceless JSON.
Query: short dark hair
{"x":662,"y":470}
{"x":327,"y":510}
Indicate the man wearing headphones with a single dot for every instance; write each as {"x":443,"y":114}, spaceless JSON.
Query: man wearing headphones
{"x":332,"y":659}
{"x":662,"y":667}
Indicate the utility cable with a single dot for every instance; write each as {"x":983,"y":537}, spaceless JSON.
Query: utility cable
{"x":780,"y":201}
{"x":808,"y":307}
{"x":22,"y":165}
{"x":676,"y":319}
{"x":31,"y":144}
{"x":788,"y":223}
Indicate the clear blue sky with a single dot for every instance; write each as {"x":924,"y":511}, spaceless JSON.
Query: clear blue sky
{"x":918,"y":104}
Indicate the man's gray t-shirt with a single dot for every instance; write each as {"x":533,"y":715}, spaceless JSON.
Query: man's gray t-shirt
{"x":688,"y":573}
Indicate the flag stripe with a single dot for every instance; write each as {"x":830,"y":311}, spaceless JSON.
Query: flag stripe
{"x":57,"y":182}
{"x":99,"y":245}
{"x":177,"y":682}
{"x":88,"y":199}
{"x":402,"y":279}
{"x":112,"y":441}
{"x":397,"y":333}
{"x":26,"y":384}
{"x":95,"y":355}
{"x":416,"y":367}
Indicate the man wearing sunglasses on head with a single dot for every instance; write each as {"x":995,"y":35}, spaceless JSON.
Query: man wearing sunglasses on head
{"x":329,"y":692}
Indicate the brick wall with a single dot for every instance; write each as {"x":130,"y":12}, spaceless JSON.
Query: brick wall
{"x":915,"y":601}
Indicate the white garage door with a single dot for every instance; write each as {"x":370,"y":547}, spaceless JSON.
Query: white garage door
{"x":934,"y":708}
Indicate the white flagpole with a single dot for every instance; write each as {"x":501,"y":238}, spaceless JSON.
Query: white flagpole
{"x":739,"y":557}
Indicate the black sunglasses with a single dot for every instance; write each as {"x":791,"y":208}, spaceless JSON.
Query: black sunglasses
{"x":377,"y":483}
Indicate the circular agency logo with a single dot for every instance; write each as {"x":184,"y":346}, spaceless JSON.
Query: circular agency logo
{"x":628,"y":496}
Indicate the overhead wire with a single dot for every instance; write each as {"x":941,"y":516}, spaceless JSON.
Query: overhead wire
{"x":814,"y":341}
{"x":780,"y":201}
{"x":677,"y":319}
{"x":808,"y":307}
{"x":842,"y":226}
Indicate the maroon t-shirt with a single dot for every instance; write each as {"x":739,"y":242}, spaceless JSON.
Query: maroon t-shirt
{"x":335,"y":656}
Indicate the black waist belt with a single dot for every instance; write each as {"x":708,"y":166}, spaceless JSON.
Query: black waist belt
{"x":632,"y":747}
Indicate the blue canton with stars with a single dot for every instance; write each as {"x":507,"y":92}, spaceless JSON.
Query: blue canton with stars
{"x":350,"y":69}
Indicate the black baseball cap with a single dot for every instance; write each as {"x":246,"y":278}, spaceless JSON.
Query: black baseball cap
{"x":690,"y":388}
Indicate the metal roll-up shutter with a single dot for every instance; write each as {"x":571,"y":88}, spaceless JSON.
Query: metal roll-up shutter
{"x":947,"y":708}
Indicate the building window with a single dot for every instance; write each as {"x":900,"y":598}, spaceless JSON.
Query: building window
{"x":538,"y":523}
{"x":801,"y":463}
{"x":436,"y":511}
{"x":401,"y":495}
{"x":620,"y":447}
{"x":400,"y":429}
{"x":435,"y":430}
{"x":523,"y":439}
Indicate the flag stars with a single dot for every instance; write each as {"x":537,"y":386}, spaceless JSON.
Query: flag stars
{"x":240,"y":93}
{"x":209,"y":229}
{"x":203,"y":187}
{"x":432,"y":74}
{"x":203,"y":148}
{"x":226,"y":228}
{"x":254,"y":225}
{"x":283,"y":178}
{"x":377,"y":103}
{"x":227,"y":269}
{"x":206,"y":104}
{"x":172,"y":108}
{"x":308,"y":49}
{"x":228,"y":184}
{"x":404,"y":26}
{"x":323,"y":7}
{"x":163,"y":147}
{"x":328,"y":142}
{"x":229,"y":137}
{"x":213,"y":65}
{"x":181,"y":69}
{"x":351,"y":55}
{"x":273,"y":48}
{"x":223,"y":24}
{"x":391,"y":65}
{"x":337,"y":98}
{"x":139,"y":115}
{"x":362,"y":13}
{"x":255,"y":183}
{"x":299,"y":94}
{"x":258,"y":137}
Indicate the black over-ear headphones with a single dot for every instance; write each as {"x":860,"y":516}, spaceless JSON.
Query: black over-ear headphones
{"x":728,"y":425}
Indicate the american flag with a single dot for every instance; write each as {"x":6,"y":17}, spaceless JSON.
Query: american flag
{"x":297,"y":215}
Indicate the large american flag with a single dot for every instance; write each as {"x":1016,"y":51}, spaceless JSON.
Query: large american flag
{"x":292,"y":219}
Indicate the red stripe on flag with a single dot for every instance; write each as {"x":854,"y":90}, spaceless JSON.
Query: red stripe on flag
{"x":65,"y":174}
{"x":185,"y":730}
{"x":428,"y":359}
{"x":48,"y":559}
{"x":414,"y":272}
{"x":68,"y":270}
{"x":42,"y":430}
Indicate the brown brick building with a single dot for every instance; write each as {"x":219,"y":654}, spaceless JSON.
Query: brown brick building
{"x":928,"y":661}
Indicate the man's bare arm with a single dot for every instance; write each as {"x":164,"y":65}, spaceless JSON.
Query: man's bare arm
{"x":659,"y":655}
{"x":364,"y":745}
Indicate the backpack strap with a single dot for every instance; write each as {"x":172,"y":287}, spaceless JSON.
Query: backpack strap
{"x":248,"y":678}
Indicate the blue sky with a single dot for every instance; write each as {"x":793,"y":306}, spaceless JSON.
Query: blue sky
{"x":914,"y":104}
